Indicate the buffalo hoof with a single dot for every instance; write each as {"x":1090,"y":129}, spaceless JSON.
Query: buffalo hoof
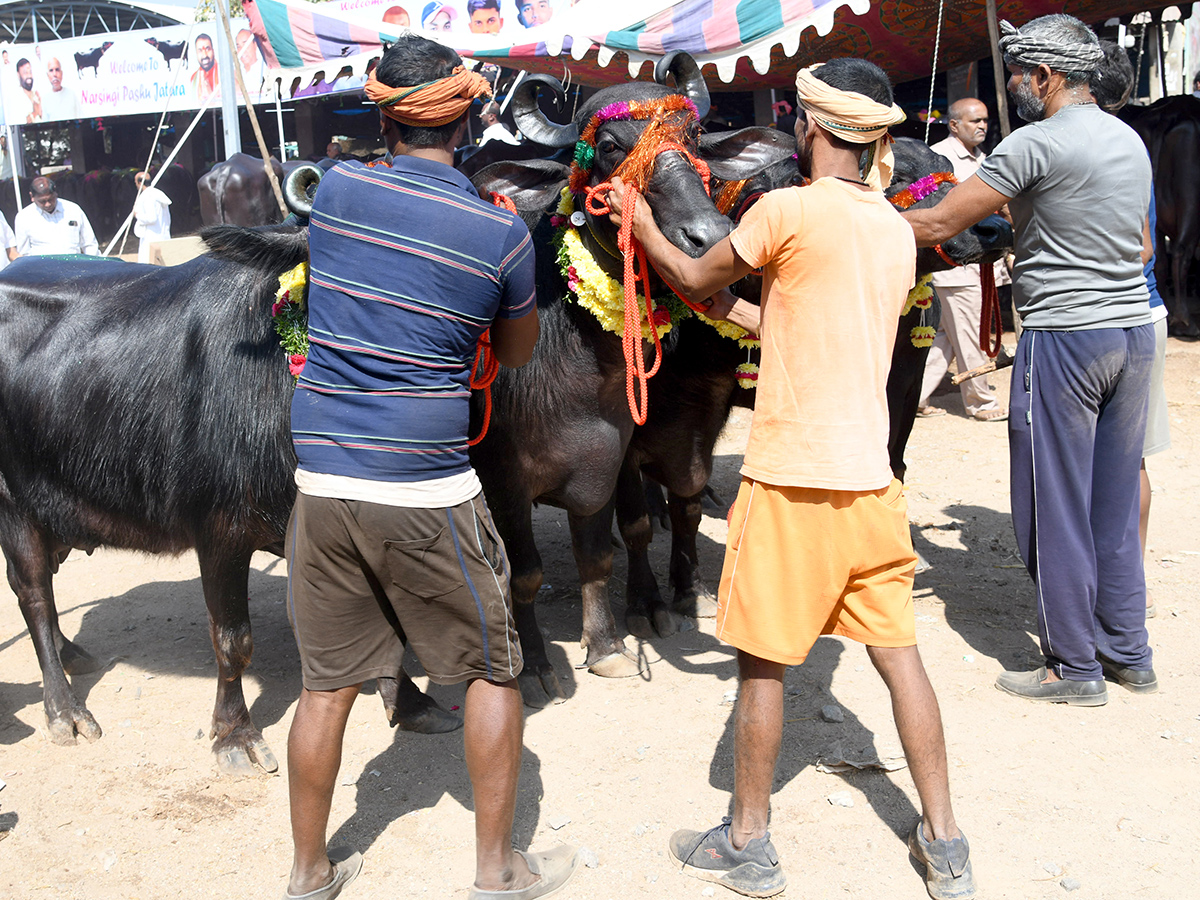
{"x":77,"y":661}
{"x":431,"y":719}
{"x":661,"y":622}
{"x":540,"y":687}
{"x":622,"y":664}
{"x":244,"y":759}
{"x":71,"y":722}
{"x":698,"y":603}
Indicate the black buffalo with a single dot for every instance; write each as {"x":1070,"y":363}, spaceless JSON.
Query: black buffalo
{"x":238,"y":192}
{"x":1170,"y":129}
{"x":175,"y":436}
{"x":91,"y":59}
{"x":169,"y":49}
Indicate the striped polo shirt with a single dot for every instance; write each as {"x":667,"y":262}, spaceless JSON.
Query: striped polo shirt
{"x":408,"y":267}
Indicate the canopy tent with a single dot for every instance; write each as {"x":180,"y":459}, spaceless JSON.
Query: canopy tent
{"x":742,"y":44}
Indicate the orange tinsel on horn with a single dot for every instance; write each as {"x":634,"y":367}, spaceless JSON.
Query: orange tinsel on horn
{"x":431,"y":104}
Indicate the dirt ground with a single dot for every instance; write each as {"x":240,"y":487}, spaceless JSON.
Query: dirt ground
{"x":1098,"y":803}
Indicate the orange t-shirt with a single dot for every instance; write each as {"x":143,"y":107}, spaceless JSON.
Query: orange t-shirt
{"x":838,"y":264}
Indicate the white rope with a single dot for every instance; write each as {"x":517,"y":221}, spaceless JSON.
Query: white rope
{"x":937,"y":46}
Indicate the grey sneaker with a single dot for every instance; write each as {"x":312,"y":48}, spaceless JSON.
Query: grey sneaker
{"x":947,"y":865}
{"x":754,"y":870}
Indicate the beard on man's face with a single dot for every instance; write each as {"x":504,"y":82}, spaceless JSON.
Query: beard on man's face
{"x":27,"y":83}
{"x":1029,"y":106}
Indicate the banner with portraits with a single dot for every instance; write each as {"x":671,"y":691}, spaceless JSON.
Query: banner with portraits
{"x":146,"y":71}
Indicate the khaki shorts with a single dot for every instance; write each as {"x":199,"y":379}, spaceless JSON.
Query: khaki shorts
{"x":803,"y":562}
{"x":363,"y":578}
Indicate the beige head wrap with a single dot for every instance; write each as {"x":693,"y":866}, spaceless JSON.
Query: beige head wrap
{"x":853,"y":117}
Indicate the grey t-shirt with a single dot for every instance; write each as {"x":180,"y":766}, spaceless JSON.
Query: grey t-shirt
{"x":1080,"y":186}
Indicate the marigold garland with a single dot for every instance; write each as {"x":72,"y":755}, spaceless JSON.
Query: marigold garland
{"x":747,"y":375}
{"x":291,"y":316}
{"x":922,"y":335}
{"x":921,"y":296}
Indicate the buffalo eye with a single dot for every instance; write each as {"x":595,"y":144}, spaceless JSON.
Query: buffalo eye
{"x":607,"y":146}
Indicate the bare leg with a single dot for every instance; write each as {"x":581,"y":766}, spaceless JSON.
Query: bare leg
{"x":919,"y":721}
{"x":757,"y":735}
{"x":493,"y":726}
{"x":314,"y":757}
{"x":1144,"y":518}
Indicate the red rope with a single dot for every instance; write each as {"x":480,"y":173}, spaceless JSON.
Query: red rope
{"x":989,"y":319}
{"x":486,"y":367}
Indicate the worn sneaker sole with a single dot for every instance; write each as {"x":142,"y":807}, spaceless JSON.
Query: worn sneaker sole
{"x":939,"y":886}
{"x":747,"y":879}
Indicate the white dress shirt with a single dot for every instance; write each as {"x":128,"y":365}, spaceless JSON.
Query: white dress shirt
{"x":66,"y":230}
{"x":152,"y":220}
{"x":497,"y":132}
{"x":7,"y":239}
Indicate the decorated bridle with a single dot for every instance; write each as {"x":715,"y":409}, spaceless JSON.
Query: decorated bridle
{"x":990,"y":326}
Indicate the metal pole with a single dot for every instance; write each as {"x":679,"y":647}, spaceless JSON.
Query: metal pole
{"x":226,"y":67}
{"x":1001,"y":73}
{"x":12,"y":163}
{"x":279,"y":121}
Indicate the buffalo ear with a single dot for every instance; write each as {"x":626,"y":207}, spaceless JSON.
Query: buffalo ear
{"x":533,"y":185}
{"x":736,"y":155}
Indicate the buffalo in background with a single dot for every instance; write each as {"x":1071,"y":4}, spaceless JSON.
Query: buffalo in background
{"x":1170,"y":129}
{"x":91,"y":59}
{"x":238,"y":192}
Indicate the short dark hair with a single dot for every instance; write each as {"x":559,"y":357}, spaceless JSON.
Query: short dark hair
{"x":203,"y":36}
{"x":1112,"y":82}
{"x":473,"y":5}
{"x":848,"y":73}
{"x":22,"y":62}
{"x":42,"y":182}
{"x":413,"y":60}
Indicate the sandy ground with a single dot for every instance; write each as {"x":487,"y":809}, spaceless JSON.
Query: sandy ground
{"x":1100,"y":803}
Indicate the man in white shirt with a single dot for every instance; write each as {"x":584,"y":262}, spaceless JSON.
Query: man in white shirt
{"x":8,"y":241}
{"x":59,"y":102}
{"x":493,"y":129}
{"x":958,"y":289}
{"x":28,"y":101}
{"x":49,"y":226}
{"x":151,"y":216}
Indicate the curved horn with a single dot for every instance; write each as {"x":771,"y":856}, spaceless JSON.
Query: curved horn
{"x":530,"y":119}
{"x":299,"y":188}
{"x":688,"y":78}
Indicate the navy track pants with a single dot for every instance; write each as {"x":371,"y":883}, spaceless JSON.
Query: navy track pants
{"x":1077,"y":424}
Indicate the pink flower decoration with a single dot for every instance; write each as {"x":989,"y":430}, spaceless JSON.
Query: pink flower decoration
{"x":296,"y":364}
{"x":662,"y":316}
{"x":557,"y":221}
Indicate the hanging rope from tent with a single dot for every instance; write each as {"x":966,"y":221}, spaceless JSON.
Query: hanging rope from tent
{"x":937,"y":46}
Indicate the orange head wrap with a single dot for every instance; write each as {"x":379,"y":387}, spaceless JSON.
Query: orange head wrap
{"x":433,"y":103}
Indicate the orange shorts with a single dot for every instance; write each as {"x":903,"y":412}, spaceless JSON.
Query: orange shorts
{"x":803,"y":562}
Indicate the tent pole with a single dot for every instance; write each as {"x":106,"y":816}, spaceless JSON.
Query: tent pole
{"x":12,"y":164}
{"x":1001,"y":73}
{"x":279,"y":120}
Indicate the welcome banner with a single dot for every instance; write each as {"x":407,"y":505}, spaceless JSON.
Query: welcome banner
{"x":174,"y":67}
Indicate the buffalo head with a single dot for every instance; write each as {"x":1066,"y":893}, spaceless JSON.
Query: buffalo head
{"x":984,"y":242}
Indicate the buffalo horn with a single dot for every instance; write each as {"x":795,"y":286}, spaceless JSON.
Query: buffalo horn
{"x":299,"y":188}
{"x":532,"y":121}
{"x":688,"y":79}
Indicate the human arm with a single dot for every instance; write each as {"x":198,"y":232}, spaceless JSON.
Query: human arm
{"x":513,"y":340}
{"x":87,"y":238}
{"x":1147,"y":243}
{"x":697,"y":279}
{"x":12,"y":253}
{"x":728,"y":306}
{"x":965,"y":205}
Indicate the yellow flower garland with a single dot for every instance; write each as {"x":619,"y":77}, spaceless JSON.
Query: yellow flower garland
{"x":921,"y":295}
{"x":604,"y":297}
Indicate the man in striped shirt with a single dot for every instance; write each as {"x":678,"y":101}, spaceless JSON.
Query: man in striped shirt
{"x":390,"y":539}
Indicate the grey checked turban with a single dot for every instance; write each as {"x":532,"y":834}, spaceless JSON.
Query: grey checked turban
{"x":1029,"y":52}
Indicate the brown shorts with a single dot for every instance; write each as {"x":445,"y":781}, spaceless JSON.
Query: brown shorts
{"x":803,"y":562}
{"x":363,"y":578}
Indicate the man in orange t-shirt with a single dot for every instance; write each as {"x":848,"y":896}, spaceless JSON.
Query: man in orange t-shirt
{"x":818,"y":539}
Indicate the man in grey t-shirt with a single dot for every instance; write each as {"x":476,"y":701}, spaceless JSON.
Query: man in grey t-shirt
{"x":1077,"y":182}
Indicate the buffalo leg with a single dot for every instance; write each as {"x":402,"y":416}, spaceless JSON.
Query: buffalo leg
{"x":692,"y":596}
{"x":1181,"y":264}
{"x":29,"y":575}
{"x":591,"y":540}
{"x":412,"y":710}
{"x":539,"y":685}
{"x":645,"y":611}
{"x":239,"y":746}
